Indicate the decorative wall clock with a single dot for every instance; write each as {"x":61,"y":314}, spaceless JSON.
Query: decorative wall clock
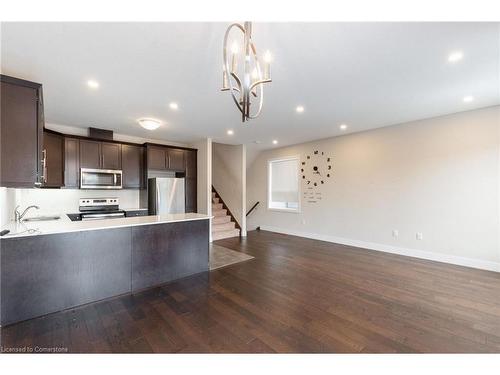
{"x":316,"y":170}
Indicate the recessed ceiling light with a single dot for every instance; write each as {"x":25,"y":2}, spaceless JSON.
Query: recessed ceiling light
{"x":174,"y":106}
{"x":468,"y":98}
{"x":149,"y":123}
{"x":275,"y":142}
{"x":92,"y":84}
{"x":343,"y":127}
{"x":455,"y":56}
{"x":299,"y":109}
{"x":230,"y":132}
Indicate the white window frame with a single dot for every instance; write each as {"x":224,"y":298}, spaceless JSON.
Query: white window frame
{"x":297,"y":210}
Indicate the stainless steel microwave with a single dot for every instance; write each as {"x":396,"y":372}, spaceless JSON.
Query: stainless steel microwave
{"x":100,"y":178}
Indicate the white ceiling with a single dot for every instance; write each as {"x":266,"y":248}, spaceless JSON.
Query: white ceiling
{"x":366,"y":75}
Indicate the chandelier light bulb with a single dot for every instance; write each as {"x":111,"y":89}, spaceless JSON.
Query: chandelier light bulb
{"x":255,"y":74}
{"x":267,"y":57}
{"x":234,"y":48}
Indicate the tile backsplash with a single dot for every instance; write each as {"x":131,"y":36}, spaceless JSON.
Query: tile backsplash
{"x":57,"y":201}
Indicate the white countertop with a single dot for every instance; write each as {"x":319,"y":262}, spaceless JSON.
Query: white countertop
{"x":65,"y":225}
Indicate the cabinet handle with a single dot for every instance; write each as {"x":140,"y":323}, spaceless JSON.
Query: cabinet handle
{"x":43,"y":177}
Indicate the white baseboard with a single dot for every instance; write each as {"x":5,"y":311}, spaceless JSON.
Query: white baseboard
{"x":438,"y":257}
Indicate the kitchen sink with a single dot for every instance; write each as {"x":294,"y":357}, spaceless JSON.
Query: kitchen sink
{"x":43,"y":218}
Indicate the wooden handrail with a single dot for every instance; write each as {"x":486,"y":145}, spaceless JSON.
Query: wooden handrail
{"x":253,"y":208}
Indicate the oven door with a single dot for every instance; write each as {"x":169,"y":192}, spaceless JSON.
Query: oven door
{"x":100,"y":179}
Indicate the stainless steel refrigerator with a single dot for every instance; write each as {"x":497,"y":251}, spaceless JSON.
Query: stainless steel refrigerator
{"x":166,"y":195}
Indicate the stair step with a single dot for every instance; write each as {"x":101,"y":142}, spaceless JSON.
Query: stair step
{"x":221,"y":219}
{"x":213,"y":195}
{"x":230,"y":225}
{"x":215,"y":200}
{"x":219,"y":212}
{"x":216,"y":206}
{"x":225,"y":234}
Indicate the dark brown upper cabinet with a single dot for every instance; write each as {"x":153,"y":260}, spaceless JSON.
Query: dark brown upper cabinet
{"x":20,"y":132}
{"x":191,"y":194}
{"x":71,"y":162}
{"x":157,"y":158}
{"x":100,"y":155}
{"x":166,"y":158}
{"x":191,"y":162}
{"x":133,"y":166}
{"x":111,"y":155}
{"x":90,"y":154}
{"x":175,"y":159}
{"x":53,"y":160}
{"x":190,"y":157}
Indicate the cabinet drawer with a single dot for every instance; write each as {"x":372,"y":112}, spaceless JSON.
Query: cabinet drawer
{"x":136,"y":213}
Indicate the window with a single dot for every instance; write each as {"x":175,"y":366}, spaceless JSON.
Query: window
{"x":283,"y":184}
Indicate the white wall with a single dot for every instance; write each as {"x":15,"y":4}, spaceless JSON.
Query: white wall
{"x":437,"y":176}
{"x":228,"y":173}
{"x":58,"y":201}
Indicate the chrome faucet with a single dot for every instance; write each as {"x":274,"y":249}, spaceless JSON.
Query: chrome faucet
{"x":19,"y":216}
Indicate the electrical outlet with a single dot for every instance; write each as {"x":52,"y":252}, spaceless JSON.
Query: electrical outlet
{"x":395,"y":233}
{"x":420,"y":236}
{"x":303,"y":221}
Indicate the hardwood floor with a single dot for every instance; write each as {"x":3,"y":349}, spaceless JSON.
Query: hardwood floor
{"x":297,"y":295}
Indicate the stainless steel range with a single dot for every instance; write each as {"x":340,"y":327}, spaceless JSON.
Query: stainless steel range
{"x":98,"y":209}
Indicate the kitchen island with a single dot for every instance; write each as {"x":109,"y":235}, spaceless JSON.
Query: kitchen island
{"x":55,"y":265}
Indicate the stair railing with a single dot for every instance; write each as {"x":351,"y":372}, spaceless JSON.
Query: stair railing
{"x":253,"y":208}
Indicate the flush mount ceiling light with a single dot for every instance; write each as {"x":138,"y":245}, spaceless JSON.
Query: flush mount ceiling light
{"x":230,"y":132}
{"x":248,"y":82}
{"x":149,"y":123}
{"x":299,"y":109}
{"x":174,"y":106}
{"x":343,"y":127}
{"x":468,"y":99}
{"x":93,"y":84}
{"x":455,"y":56}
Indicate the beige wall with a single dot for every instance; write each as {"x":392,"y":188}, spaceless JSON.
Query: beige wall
{"x":437,"y":176}
{"x":228,"y":171}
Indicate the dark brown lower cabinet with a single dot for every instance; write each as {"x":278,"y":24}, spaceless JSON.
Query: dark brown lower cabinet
{"x":42,"y":274}
{"x":53,"y":160}
{"x":48,"y":273}
{"x":165,"y":252}
{"x":71,"y":162}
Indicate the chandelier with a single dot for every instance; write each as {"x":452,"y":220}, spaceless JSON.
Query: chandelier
{"x":246,"y":83}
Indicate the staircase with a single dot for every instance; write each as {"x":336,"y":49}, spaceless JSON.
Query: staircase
{"x":223,"y":226}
